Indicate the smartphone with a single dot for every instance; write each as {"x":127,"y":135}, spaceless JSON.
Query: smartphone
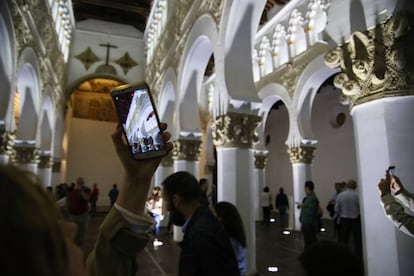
{"x":391,"y":170}
{"x":139,"y":119}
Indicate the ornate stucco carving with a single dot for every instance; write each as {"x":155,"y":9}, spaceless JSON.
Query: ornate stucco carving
{"x":186,"y":149}
{"x":260,"y":161}
{"x":6,"y":142}
{"x":289,"y":73}
{"x":301,"y":154}
{"x":45,"y":162}
{"x":171,"y":44}
{"x":47,"y":44}
{"x":26,"y":155}
{"x":378,"y":62}
{"x":236,"y":130}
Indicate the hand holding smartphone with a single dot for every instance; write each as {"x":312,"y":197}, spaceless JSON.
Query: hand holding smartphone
{"x":139,"y":120}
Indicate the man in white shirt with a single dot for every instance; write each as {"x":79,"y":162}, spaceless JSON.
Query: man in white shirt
{"x":347,"y":209}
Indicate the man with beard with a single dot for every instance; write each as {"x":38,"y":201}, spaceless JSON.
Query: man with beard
{"x":206,"y":248}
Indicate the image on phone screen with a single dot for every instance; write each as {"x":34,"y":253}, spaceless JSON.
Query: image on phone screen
{"x":139,"y":121}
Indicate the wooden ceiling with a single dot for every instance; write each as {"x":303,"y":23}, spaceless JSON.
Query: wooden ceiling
{"x":130,"y":12}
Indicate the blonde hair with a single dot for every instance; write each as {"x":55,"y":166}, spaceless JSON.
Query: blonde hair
{"x":31,"y":238}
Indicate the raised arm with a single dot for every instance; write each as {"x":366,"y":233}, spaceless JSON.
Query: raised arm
{"x":124,"y":231}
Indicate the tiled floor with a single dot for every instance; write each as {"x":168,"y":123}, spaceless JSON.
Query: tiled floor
{"x":273,"y":250}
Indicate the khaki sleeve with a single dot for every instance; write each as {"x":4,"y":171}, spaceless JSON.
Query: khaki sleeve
{"x":116,"y":247}
{"x":397,"y":215}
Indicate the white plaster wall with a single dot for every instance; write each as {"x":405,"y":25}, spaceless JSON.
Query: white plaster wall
{"x":334,"y":155}
{"x":91,"y":154}
{"x":91,"y":34}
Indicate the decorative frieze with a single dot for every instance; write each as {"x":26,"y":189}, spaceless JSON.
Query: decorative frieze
{"x":186,"y":149}
{"x":41,"y":36}
{"x":301,"y":154}
{"x":171,"y":43}
{"x":236,"y":130}
{"x":378,"y":62}
{"x":260,"y":161}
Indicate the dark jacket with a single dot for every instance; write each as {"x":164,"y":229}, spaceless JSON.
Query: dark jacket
{"x":206,"y":248}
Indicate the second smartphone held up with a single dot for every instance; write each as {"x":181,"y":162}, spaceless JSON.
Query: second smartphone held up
{"x":139,"y":120}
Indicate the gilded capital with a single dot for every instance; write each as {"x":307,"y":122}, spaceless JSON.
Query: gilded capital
{"x":6,"y":142}
{"x":45,"y":162}
{"x":301,"y":154}
{"x":186,"y":149}
{"x":56,"y":165}
{"x":260,"y":161}
{"x":26,"y":155}
{"x":236,"y":130}
{"x":378,"y":62}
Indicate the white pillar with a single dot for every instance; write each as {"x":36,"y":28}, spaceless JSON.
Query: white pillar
{"x":384,"y":135}
{"x":188,"y":166}
{"x":301,"y":173}
{"x":258,"y":184}
{"x":45,"y":175}
{"x":236,"y":180}
{"x":4,"y":159}
{"x":160,"y":174}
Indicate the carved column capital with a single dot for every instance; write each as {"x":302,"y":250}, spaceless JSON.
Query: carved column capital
{"x":378,"y":62}
{"x":24,"y":154}
{"x":56,"y":165}
{"x":45,"y":162}
{"x":236,"y":130}
{"x":301,"y":154}
{"x":6,"y":142}
{"x":260,"y":161}
{"x":186,"y":149}
{"x":168,"y":161}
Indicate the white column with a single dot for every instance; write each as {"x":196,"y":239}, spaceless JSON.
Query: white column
{"x":56,"y":177}
{"x":45,"y":175}
{"x":258,"y":184}
{"x":160,"y":174}
{"x":301,"y":173}
{"x":384,"y":135}
{"x":44,"y":170}
{"x":236,"y":180}
{"x":189,"y":166}
{"x":4,"y":159}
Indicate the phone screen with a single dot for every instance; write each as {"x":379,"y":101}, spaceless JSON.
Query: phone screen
{"x":139,"y":120}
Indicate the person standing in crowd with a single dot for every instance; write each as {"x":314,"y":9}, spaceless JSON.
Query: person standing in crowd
{"x":94,"y":198}
{"x":113,"y":194}
{"x":155,"y":208}
{"x":309,"y":215}
{"x":347,"y":207}
{"x":282,"y":205}
{"x":230,"y":217}
{"x":206,"y":248}
{"x":266,"y":205}
{"x":78,"y":207}
{"x":394,"y":197}
{"x":330,"y":207}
